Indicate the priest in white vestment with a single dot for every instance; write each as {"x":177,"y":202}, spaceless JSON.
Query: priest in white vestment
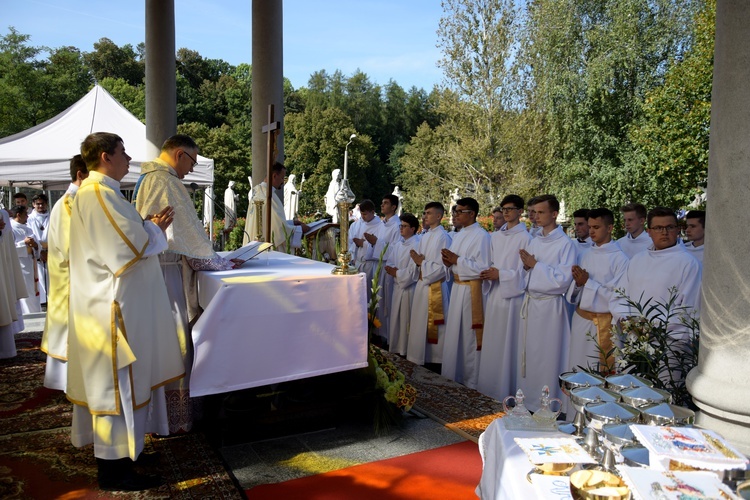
{"x":468,"y":255}
{"x":189,"y":251}
{"x":593,"y":287}
{"x":636,"y":239}
{"x":285,"y":234}
{"x":12,"y":289}
{"x":27,"y":249}
{"x":39,"y":223}
{"x":504,"y":287}
{"x":695,"y":230}
{"x":378,"y":241}
{"x":55,"y":337}
{"x":432,"y":292}
{"x":405,"y":275}
{"x":653,"y":273}
{"x":545,"y":321}
{"x":122,"y":341}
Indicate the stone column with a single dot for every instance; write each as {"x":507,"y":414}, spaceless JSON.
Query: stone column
{"x":268,"y":78}
{"x":720,"y":384}
{"x":161,"y":85}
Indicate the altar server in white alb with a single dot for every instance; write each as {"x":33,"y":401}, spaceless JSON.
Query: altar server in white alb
{"x":581,"y":227}
{"x":594,"y":279}
{"x":666,"y":266}
{"x":636,"y":237}
{"x":468,"y":255}
{"x":695,"y":230}
{"x":503,"y":287}
{"x":123,"y":345}
{"x":545,"y":324}
{"x":405,"y":275}
{"x":12,"y":289}
{"x":55,"y":337}
{"x":432,"y":293}
{"x":378,"y":241}
{"x":27,"y":249}
{"x":39,"y":223}
{"x":285,"y":234}
{"x":190,"y":250}
{"x":362,"y":248}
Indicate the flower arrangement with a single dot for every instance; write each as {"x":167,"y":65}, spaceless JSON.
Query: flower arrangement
{"x":659,"y":343}
{"x":392,"y":381}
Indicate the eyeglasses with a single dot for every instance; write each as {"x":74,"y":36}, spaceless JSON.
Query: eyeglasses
{"x":663,"y":229}
{"x":195,"y":162}
{"x":465,"y":211}
{"x":505,"y":210}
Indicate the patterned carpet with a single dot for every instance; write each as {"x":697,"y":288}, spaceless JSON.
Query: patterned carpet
{"x":38,"y":461}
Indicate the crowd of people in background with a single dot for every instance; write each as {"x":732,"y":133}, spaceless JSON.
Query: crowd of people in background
{"x":516,"y":307}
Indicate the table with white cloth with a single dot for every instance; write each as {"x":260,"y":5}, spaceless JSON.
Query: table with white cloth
{"x":276,"y":318}
{"x":505,"y":466}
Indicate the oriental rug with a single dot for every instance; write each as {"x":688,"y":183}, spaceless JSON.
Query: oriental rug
{"x":447,"y":472}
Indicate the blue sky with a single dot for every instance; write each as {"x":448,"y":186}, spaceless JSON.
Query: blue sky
{"x":386,"y":39}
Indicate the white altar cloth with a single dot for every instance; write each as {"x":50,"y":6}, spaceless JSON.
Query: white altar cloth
{"x":277,"y":318}
{"x":505,"y":466}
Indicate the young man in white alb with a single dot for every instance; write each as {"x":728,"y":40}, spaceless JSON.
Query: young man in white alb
{"x":636,"y":239}
{"x":695,"y":231}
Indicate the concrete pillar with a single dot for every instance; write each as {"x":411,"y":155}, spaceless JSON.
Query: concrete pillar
{"x":720,"y":384}
{"x":161,"y":85}
{"x":268,"y":78}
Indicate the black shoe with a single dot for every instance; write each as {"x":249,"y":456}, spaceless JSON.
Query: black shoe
{"x":118,"y":475}
{"x":148,"y":459}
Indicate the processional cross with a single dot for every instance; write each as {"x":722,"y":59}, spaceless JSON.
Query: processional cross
{"x":272,"y":130}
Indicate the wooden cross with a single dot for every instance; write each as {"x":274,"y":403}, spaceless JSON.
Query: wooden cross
{"x":272,"y":129}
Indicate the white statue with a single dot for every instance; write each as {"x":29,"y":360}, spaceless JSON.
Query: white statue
{"x":397,"y":193}
{"x":230,"y":206}
{"x":291,"y":198}
{"x":454,"y":199}
{"x":330,"y":197}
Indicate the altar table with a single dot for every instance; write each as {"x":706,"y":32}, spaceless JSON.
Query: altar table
{"x":277,"y":318}
{"x":505,"y":466}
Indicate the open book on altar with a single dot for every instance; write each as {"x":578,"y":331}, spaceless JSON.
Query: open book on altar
{"x":248,"y":251}
{"x":314,"y":227}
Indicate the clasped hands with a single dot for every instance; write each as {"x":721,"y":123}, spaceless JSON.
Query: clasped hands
{"x":449,"y":258}
{"x":163,"y":219}
{"x":529,"y":261}
{"x":580,"y":275}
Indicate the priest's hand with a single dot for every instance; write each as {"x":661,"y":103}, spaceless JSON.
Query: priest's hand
{"x":529,"y":261}
{"x":580,"y":275}
{"x":391,"y":270}
{"x":371,"y":238}
{"x":418,"y":258}
{"x":490,"y":274}
{"x":237,"y":263}
{"x":449,"y":258}
{"x":297,"y":222}
{"x":163,"y":219}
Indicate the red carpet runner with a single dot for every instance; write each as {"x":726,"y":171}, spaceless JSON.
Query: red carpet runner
{"x":450,"y":472}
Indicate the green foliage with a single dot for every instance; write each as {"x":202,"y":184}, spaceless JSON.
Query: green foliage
{"x":108,"y":60}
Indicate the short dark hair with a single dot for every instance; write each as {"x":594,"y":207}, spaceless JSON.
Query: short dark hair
{"x":179,"y":141}
{"x":660,"y":212}
{"x":77,"y":165}
{"x":16,"y":210}
{"x":697,"y":214}
{"x":532,"y":201}
{"x":551,"y":200}
{"x":582,"y":212}
{"x":277,"y":167}
{"x":40,"y":196}
{"x":410,"y":219}
{"x":513,"y":198}
{"x":604,"y":214}
{"x":392,"y":198}
{"x":366,"y":206}
{"x":435,"y":204}
{"x":97,"y":143}
{"x":20,"y":195}
{"x":639,"y":209}
{"x":471,"y":203}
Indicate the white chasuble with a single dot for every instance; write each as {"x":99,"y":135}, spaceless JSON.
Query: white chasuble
{"x":430,"y":304}
{"x":545,"y":324}
{"x":464,"y":321}
{"x":12,"y":288}
{"x":403,"y":293}
{"x":119,"y":310}
{"x":502,"y":318}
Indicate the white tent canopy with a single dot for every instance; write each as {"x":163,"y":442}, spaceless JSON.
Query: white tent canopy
{"x":40,"y":156}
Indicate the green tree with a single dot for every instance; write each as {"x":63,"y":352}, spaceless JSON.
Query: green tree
{"x":130,"y":96}
{"x":21,"y":86}
{"x":109,"y":60}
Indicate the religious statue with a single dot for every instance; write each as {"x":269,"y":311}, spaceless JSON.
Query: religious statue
{"x":291,"y":198}
{"x":397,"y":193}
{"x":230,"y":207}
{"x":330,"y":197}
{"x":454,"y":198}
{"x":250,"y":191}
